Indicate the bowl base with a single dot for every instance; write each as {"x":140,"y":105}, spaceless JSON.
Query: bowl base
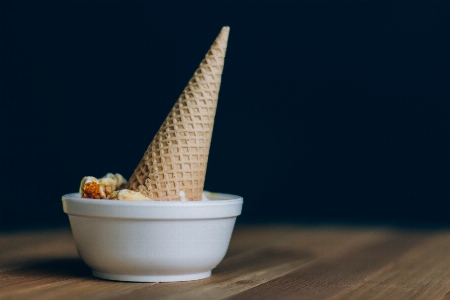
{"x":151,"y":278}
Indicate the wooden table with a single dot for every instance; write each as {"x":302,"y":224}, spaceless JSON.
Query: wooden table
{"x":263,"y":262}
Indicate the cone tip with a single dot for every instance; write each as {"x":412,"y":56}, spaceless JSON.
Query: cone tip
{"x":223,"y":35}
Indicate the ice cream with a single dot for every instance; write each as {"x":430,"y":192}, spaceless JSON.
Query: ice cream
{"x":183,"y":196}
{"x":204,"y":197}
{"x":127,"y":195}
{"x":108,"y":186}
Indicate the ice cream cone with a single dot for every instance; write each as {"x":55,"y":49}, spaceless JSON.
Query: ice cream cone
{"x":176,"y":159}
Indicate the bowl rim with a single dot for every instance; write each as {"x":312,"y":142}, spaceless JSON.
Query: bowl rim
{"x":74,"y":205}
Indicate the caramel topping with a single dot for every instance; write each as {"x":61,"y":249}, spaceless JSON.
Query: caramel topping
{"x":91,"y":190}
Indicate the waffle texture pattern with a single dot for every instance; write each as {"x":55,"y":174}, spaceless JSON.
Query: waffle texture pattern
{"x":176,"y":159}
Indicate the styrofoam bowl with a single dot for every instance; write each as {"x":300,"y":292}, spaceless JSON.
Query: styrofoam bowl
{"x":152,"y":241}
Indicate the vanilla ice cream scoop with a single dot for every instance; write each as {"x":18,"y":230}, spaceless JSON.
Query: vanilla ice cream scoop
{"x":111,"y":186}
{"x":127,"y":195}
{"x":118,"y":179}
{"x":184,"y":198}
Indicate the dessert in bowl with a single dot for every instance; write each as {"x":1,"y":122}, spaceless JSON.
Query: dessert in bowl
{"x":160,"y":225}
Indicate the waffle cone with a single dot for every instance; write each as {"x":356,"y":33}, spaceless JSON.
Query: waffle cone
{"x":176,"y":159}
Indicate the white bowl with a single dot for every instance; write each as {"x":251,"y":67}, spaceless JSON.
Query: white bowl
{"x":152,"y":241}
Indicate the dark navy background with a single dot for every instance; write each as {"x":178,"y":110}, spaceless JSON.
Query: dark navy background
{"x":328,"y":111}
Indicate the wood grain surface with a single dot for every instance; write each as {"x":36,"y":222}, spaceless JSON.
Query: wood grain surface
{"x":263,"y":262}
